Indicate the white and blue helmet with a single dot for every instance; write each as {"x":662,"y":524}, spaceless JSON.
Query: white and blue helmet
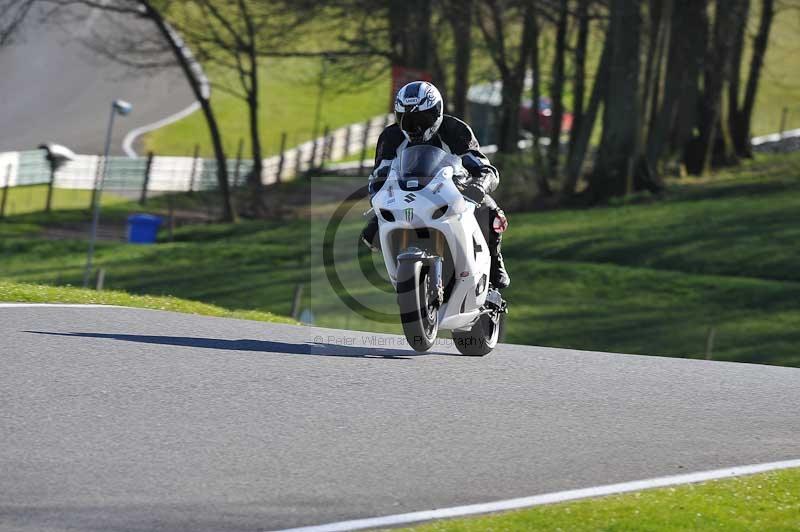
{"x":419,"y":109}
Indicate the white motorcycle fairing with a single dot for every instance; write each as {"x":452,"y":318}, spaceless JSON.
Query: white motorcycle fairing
{"x":432,"y":214}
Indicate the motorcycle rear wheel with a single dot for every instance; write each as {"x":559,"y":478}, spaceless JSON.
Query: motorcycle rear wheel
{"x":482,"y":338}
{"x":419,"y":309}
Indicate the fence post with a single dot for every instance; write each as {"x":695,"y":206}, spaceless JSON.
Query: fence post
{"x":347,"y":137}
{"x":5,"y":191}
{"x":147,"y":169}
{"x":313,"y":159}
{"x":171,"y":224}
{"x":49,"y":201}
{"x":298,"y":295}
{"x":101,"y":279}
{"x":712,"y":331}
{"x":784,"y":118}
{"x":327,"y":143}
{"x":282,"y":159}
{"x":364,"y":139}
{"x":298,"y":161}
{"x":194,"y":167}
{"x":238,"y":163}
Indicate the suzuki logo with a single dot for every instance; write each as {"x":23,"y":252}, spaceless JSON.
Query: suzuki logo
{"x":410,"y":198}
{"x":409,"y":214}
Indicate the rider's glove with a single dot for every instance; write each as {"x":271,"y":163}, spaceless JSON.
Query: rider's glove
{"x":475,"y":192}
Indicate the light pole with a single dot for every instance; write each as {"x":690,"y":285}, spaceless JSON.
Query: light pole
{"x":122,"y":108}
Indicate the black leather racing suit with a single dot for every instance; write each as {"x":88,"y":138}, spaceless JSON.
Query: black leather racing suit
{"x":456,"y":137}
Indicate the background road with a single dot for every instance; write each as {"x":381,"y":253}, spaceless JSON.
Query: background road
{"x":54,"y":89}
{"x":122,"y":419}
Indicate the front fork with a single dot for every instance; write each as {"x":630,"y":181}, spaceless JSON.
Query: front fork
{"x":434,"y":265}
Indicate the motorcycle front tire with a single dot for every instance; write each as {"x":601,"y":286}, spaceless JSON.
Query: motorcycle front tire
{"x":420,"y":321}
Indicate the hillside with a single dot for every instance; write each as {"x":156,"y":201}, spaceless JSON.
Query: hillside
{"x":642,"y":278}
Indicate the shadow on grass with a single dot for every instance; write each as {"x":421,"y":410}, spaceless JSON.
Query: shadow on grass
{"x":259,"y":346}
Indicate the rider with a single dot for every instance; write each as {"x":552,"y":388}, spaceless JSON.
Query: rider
{"x":420,"y":119}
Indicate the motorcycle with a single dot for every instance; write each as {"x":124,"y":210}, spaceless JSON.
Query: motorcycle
{"x":436,"y":254}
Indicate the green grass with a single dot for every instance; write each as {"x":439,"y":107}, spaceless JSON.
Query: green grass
{"x":32,"y":198}
{"x":769,"y":501}
{"x":288,"y":94}
{"x":33,"y":293}
{"x":780,"y":81}
{"x":650,"y":277}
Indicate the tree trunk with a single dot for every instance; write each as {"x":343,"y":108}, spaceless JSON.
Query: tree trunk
{"x":742,"y":131}
{"x":510,"y":62}
{"x":538,"y":163}
{"x":509,"y":115}
{"x":557,"y":91}
{"x":202,"y":94}
{"x":579,"y":82}
{"x":734,"y":83}
{"x":410,"y":33}
{"x":716,"y":74}
{"x":254,"y":182}
{"x":659,"y":30}
{"x":584,"y":133}
{"x":663,"y":48}
{"x":678,"y":115}
{"x":613,"y":174}
{"x":461,"y":24}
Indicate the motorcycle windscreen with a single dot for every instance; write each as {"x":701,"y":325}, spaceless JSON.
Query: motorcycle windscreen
{"x":418,"y":165}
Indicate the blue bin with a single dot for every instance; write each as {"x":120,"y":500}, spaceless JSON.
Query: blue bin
{"x":143,"y":228}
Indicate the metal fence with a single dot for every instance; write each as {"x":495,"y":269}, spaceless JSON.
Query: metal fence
{"x":158,"y":174}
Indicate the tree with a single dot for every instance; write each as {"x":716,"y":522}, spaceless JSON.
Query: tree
{"x":677,"y":115}
{"x":717,"y":73}
{"x":742,"y":118}
{"x":579,"y":79}
{"x":557,"y":89}
{"x":617,"y":155}
{"x":460,"y":15}
{"x":498,"y":21}
{"x":536,"y":86}
{"x":583,"y":131}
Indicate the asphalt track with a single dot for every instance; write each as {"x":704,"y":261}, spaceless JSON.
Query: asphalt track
{"x":55,"y":89}
{"x":126,"y":420}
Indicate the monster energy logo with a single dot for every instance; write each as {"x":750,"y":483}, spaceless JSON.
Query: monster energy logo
{"x":409,"y":214}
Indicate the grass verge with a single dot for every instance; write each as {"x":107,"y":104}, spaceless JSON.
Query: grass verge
{"x":768,"y":501}
{"x":32,"y":198}
{"x":33,"y":293}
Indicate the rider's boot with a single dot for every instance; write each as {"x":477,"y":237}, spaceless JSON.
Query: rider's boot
{"x":369,"y":235}
{"x":498,"y":276}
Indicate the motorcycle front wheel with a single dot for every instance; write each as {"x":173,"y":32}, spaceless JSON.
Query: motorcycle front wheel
{"x":419,"y":308}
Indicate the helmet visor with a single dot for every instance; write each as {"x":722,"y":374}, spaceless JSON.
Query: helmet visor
{"x":418,"y":121}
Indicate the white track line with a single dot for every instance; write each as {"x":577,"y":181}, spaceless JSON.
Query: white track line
{"x":56,"y":305}
{"x":547,"y":498}
{"x":130,"y":138}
